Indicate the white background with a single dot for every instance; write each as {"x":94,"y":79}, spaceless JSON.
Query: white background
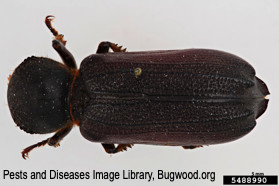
{"x":249,"y":29}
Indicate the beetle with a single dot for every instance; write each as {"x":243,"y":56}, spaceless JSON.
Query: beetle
{"x":187,"y":98}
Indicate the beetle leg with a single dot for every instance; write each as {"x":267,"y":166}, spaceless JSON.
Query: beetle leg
{"x":105,"y":46}
{"x":59,"y":45}
{"x":64,"y":53}
{"x":60,"y":134}
{"x":53,"y":141}
{"x":191,"y":147}
{"x":25,"y":152}
{"x":116,"y":48}
{"x":58,"y":36}
{"x":122,"y":147}
{"x":110,"y":148}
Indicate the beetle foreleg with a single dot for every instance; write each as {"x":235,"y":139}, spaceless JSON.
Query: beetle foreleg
{"x":53,"y":141}
{"x":190,"y":147}
{"x":25,"y":152}
{"x":110,"y":148}
{"x":59,"y":135}
{"x":58,"y":36}
{"x":59,"y":45}
{"x":105,"y":46}
{"x":64,"y":53}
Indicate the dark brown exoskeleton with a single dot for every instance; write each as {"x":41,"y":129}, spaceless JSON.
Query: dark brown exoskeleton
{"x":183,"y":98}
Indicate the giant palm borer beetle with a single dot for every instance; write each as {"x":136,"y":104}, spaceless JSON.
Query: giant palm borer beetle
{"x":187,"y":98}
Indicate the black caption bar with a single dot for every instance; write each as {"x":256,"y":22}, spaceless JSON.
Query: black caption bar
{"x":250,"y":180}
